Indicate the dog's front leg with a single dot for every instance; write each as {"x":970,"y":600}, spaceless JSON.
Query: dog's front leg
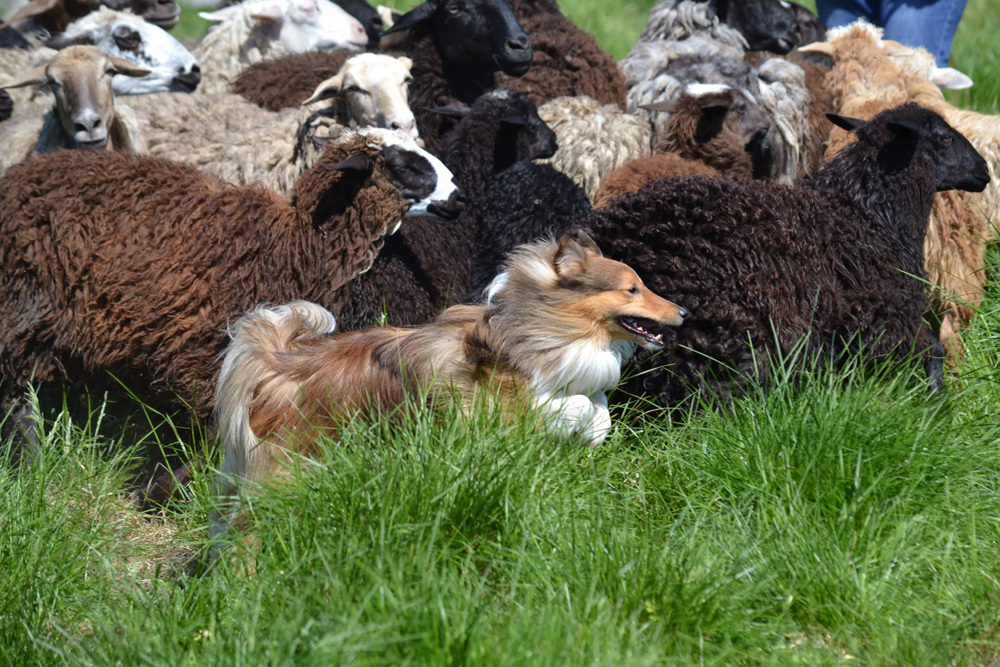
{"x":600,"y":423}
{"x":569,"y":415}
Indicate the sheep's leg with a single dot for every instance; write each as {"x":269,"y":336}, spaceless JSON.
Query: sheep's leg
{"x":934,"y":358}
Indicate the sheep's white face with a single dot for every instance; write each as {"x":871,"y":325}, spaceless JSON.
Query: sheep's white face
{"x":319,"y":24}
{"x":171,"y":66}
{"x":374,"y":88}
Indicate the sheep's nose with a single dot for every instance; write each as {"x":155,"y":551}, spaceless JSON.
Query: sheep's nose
{"x":519,"y":43}
{"x":89,"y":128}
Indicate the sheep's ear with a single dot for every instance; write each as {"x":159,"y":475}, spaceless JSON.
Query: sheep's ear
{"x":33,"y":77}
{"x":904,"y":129}
{"x":849,"y":124}
{"x":31,"y":10}
{"x":268,"y":14}
{"x":407,"y":63}
{"x":518,"y":121}
{"x":357,"y":162}
{"x":329,"y":88}
{"x":220,"y":15}
{"x":669,"y":106}
{"x":127,"y":67}
{"x":411,"y":19}
{"x":570,"y":261}
{"x":61,"y":40}
{"x":820,"y":48}
{"x":951,"y":78}
{"x":451,"y":111}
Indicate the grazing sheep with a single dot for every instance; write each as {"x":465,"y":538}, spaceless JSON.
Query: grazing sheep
{"x":427,"y":265}
{"x":133,"y":265}
{"x":638,"y":173}
{"x":241,"y":143}
{"x":593,"y":139}
{"x":568,"y":62}
{"x":84,"y":115}
{"x":762,"y":266}
{"x":456,"y":55}
{"x":265,"y":29}
{"x":54,"y":15}
{"x":870,"y":74}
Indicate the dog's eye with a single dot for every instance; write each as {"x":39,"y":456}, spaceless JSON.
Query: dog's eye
{"x":634,"y":290}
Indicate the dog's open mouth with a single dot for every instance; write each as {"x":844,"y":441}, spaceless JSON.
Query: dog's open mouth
{"x":640,"y":328}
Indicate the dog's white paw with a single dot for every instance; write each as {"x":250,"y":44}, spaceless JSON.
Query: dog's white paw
{"x":600,"y":423}
{"x":570,"y":415}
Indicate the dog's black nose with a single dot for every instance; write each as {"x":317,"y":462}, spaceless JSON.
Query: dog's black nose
{"x":683,"y":312}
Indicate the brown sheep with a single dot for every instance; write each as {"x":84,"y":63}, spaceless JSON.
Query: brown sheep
{"x":637,"y":173}
{"x":285,"y":82}
{"x":131,"y":265}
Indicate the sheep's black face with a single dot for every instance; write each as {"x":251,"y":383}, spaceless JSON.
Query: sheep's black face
{"x":410,"y":173}
{"x":481,"y":36}
{"x":768,"y":25}
{"x":368,"y":17}
{"x":957,"y":164}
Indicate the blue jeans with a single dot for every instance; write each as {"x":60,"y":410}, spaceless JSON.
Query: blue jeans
{"x":927,"y":23}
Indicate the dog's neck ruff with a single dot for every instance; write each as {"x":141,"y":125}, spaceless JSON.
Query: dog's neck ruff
{"x":579,"y":367}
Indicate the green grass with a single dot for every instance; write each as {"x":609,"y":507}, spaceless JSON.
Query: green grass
{"x":849,"y":519}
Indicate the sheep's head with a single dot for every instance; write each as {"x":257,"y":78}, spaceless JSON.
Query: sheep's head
{"x":475,"y":36}
{"x":910,"y":133}
{"x":123,"y":35}
{"x":301,"y":25}
{"x":55,"y":15}
{"x":374,"y":89}
{"x":767,"y":25}
{"x":368,"y":16}
{"x":511,"y":120}
{"x":721,"y":126}
{"x":80,"y":79}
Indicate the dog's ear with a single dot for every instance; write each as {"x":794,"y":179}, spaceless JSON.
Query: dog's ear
{"x":585,"y":240}
{"x":571,"y":259}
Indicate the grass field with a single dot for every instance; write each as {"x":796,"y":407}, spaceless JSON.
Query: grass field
{"x":852,"y":519}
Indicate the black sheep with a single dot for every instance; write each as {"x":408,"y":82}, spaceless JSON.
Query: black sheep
{"x":426,"y":265}
{"x":838,"y":258}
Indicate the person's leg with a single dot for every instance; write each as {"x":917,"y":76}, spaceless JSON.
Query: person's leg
{"x":841,"y":12}
{"x":927,"y":23}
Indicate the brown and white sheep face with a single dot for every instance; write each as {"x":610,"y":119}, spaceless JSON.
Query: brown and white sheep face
{"x":80,"y":79}
{"x":374,"y":90}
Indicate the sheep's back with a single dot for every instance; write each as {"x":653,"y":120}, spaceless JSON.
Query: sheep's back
{"x":287,"y":82}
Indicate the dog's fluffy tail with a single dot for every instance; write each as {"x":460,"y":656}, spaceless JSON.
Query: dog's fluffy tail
{"x":250,"y":368}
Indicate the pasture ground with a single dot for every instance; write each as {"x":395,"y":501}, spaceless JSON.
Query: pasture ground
{"x":849,"y":519}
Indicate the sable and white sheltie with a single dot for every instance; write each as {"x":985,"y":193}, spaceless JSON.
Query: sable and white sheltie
{"x":553,"y":333}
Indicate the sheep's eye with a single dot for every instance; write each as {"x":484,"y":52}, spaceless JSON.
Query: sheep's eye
{"x":453,"y":8}
{"x":356,"y":89}
{"x":408,"y":80}
{"x":127,"y":40}
{"x":946,"y":139}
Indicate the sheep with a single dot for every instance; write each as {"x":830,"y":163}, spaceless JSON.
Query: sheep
{"x":593,"y":139}
{"x":132,"y":265}
{"x":12,"y":39}
{"x":673,"y":21}
{"x":427,"y":266}
{"x":836,"y":262}
{"x":870,"y":74}
{"x":265,"y":29}
{"x":120,"y":34}
{"x":242,"y":143}
{"x":568,"y":61}
{"x":54,"y":15}
{"x":456,"y":56}
{"x":84,"y":115}
{"x":359,"y":9}
{"x":369,"y":89}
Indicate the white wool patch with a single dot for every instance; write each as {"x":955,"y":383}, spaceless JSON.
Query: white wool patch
{"x":833,"y":34}
{"x":699,"y":89}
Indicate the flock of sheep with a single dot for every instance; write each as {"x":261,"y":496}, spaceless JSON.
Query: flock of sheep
{"x":306,"y":150}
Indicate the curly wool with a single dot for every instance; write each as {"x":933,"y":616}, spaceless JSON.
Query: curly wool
{"x":289,"y":81}
{"x":568,"y":62}
{"x":232,"y":138}
{"x":784,"y":94}
{"x":169,"y":256}
{"x":768,"y":264}
{"x":869,"y":76}
{"x":232,"y":46}
{"x":593,"y":140}
{"x":638,"y":173}
{"x":673,"y":20}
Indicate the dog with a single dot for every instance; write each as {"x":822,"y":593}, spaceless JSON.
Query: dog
{"x":555,"y":328}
